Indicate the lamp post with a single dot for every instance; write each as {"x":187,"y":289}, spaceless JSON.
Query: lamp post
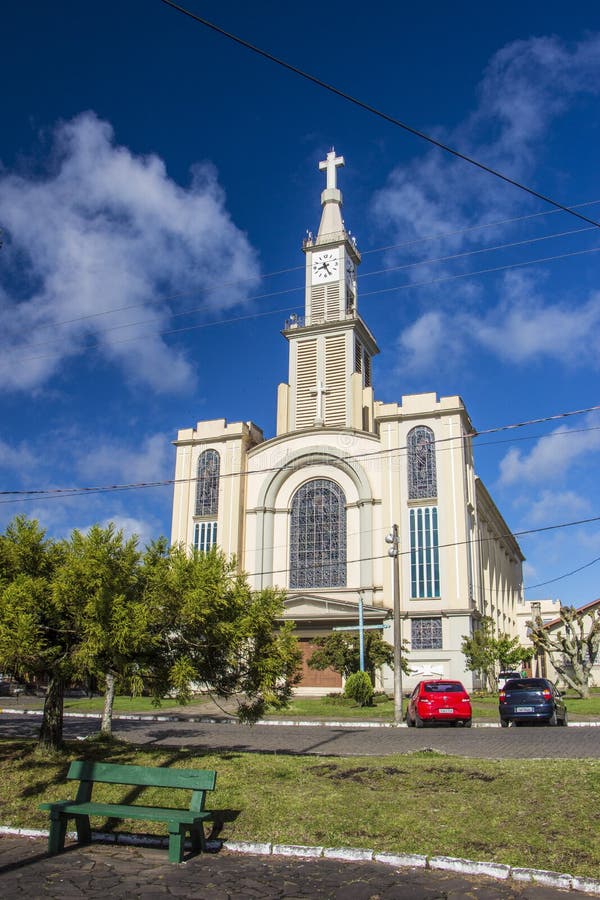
{"x":392,"y":539}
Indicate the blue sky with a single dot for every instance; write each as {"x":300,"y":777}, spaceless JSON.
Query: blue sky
{"x":154,"y":175}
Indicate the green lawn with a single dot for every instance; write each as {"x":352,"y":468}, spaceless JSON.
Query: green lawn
{"x":124,"y":705}
{"x":485,"y":709}
{"x":418,"y":803}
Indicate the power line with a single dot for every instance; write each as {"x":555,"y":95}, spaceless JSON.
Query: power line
{"x":201,"y":309}
{"x":560,"y":577}
{"x":467,"y":228}
{"x":377,"y":112}
{"x":491,"y":270}
{"x":508,"y":246}
{"x":240,"y":281}
{"x":56,"y":493}
{"x":249,"y":316}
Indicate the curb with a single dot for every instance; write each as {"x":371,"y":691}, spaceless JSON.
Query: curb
{"x":497,"y":871}
{"x":215,"y":720}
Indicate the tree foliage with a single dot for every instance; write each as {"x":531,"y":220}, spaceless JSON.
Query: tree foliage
{"x":573,"y":647}
{"x":340,"y":651}
{"x":221,"y":635}
{"x":490,"y":653}
{"x":94,"y":607}
{"x":100,"y":579}
{"x":37,"y":631}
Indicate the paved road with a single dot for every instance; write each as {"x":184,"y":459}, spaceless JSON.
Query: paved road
{"x":102,"y":871}
{"x":482,"y":743}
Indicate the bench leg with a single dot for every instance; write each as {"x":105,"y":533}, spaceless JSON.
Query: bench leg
{"x":84,"y":833}
{"x":198,"y":839}
{"x":176,"y":836}
{"x":58,"y":830}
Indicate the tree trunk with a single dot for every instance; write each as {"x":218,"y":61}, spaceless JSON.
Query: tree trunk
{"x":109,"y":698}
{"x":51,"y":731}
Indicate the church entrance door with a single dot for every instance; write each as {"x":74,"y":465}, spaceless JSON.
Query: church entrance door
{"x":314,"y":678}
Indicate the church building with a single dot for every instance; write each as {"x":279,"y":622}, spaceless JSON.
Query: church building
{"x":309,"y":510}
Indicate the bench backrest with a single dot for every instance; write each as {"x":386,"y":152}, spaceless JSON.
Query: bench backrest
{"x":145,"y":776}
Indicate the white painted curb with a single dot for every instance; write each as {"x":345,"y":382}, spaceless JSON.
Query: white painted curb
{"x":469,"y":866}
{"x":288,"y":723}
{"x":351,"y":853}
{"x":493,"y":870}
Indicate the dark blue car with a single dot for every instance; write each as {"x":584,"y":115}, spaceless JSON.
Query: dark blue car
{"x":531,"y":700}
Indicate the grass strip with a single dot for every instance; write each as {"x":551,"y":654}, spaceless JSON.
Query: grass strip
{"x":333,"y":706}
{"x":539,"y":813}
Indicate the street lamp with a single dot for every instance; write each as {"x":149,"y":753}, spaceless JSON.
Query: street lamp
{"x":392,"y":539}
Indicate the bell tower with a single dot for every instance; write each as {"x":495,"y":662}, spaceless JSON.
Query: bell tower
{"x":331,"y":347}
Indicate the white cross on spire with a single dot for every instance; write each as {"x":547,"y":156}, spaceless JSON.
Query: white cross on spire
{"x":331,"y":164}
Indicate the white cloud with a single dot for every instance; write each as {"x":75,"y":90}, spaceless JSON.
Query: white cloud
{"x":526,"y":85}
{"x":16,"y":459}
{"x":104,"y":229}
{"x":521,"y":328}
{"x":150,"y":460}
{"x":557,"y":506}
{"x":552,"y":456}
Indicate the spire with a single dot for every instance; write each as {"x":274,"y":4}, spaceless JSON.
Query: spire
{"x":331,"y":197}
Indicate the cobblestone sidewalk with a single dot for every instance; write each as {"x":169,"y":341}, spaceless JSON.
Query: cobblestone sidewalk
{"x":100,"y":871}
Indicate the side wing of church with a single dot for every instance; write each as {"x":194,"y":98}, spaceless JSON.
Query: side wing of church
{"x":309,"y":510}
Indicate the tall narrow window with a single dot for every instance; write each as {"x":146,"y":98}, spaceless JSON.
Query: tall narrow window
{"x":318,"y":536}
{"x":424,"y":553}
{"x":422,"y":481}
{"x":207,"y":487}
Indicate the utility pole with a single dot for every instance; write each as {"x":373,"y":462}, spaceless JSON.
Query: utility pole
{"x":393,"y":551}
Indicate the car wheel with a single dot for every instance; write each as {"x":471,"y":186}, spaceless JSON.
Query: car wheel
{"x":467,"y":723}
{"x":553,"y":720}
{"x":409,"y":721}
{"x":504,"y":723}
{"x":565,"y":719}
{"x":419,"y":723}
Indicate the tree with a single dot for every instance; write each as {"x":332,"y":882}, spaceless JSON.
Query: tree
{"x":37,"y":632}
{"x":340,"y":651}
{"x":489,"y":653}
{"x":573,"y":648}
{"x":71,"y":610}
{"x":100,"y":580}
{"x":220,"y":634}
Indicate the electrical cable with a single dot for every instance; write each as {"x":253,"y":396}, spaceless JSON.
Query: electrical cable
{"x":371,"y":109}
{"x":532,"y":587}
{"x":220,"y":285}
{"x":75,"y":491}
{"x":233,"y":320}
{"x":202,"y":309}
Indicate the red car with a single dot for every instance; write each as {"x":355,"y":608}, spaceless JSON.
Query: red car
{"x":439,"y":700}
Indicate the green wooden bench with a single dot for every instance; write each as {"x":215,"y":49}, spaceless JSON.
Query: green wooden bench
{"x":179,"y":821}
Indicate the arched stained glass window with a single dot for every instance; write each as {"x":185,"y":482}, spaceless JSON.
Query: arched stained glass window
{"x":318,"y":536}
{"x":207,"y":487}
{"x":422,"y":481}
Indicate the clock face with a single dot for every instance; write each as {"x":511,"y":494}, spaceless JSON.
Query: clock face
{"x":350,"y":269}
{"x":325,"y":266}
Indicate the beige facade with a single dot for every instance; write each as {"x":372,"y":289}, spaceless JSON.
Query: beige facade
{"x":309,"y":509}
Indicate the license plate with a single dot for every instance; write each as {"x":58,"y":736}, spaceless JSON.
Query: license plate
{"x":446,"y":710}
{"x":523,"y":708}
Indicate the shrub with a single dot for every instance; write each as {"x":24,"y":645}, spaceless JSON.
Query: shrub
{"x":359,"y":688}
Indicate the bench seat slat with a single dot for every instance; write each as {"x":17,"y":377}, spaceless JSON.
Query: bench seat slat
{"x":122,"y":811}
